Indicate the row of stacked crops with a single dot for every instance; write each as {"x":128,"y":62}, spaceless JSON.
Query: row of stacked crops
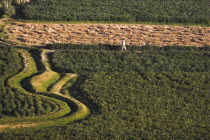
{"x":160,"y":93}
{"x":182,"y":11}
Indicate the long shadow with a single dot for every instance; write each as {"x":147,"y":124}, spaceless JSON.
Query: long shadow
{"x":71,"y":104}
{"x":78,"y":93}
{"x":59,"y":70}
{"x":36,"y":55}
{"x":21,"y":69}
{"x":75,"y":90}
{"x":25,"y":83}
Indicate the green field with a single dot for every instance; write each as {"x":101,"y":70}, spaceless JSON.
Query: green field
{"x":97,"y":91}
{"x":152,"y":59}
{"x":133,"y":106}
{"x":14,"y":103}
{"x":26,"y":96}
{"x":179,"y":11}
{"x":159,"y":93}
{"x":169,"y":105}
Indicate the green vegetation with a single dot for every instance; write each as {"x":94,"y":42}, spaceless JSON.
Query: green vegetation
{"x":7,"y":8}
{"x":52,"y":111}
{"x":148,"y":92}
{"x":188,"y":11}
{"x":42,"y":81}
{"x":109,"y":47}
{"x":65,"y":79}
{"x":150,"y":105}
{"x":13,"y":103}
{"x":67,"y":87}
{"x":47,"y":77}
{"x":132,"y":106}
{"x":46,"y":108}
{"x":10,"y":62}
{"x":152,"y":59}
{"x":159,"y":93}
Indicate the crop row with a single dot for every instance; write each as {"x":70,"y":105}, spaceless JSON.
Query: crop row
{"x":190,"y":11}
{"x":84,"y":62}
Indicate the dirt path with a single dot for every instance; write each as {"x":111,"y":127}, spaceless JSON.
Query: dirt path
{"x":82,"y":109}
{"x":58,"y":86}
{"x":135,"y":34}
{"x":19,"y":125}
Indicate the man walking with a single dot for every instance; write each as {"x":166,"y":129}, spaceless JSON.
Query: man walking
{"x":123,"y":45}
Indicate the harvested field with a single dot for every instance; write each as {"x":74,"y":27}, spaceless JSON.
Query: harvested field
{"x":134,"y":34}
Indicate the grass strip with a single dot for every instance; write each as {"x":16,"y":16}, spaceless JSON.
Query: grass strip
{"x":28,"y":70}
{"x":41,"y":82}
{"x":79,"y":110}
{"x":58,"y":86}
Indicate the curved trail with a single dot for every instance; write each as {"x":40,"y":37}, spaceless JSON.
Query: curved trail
{"x":58,"y":86}
{"x":68,"y":110}
{"x":28,"y":70}
{"x":42,"y":81}
{"x":81,"y":108}
{"x":80,"y":111}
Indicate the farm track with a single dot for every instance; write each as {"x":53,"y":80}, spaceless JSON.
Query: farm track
{"x":68,"y":108}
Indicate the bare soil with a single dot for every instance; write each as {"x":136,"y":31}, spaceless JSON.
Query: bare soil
{"x":134,"y":34}
{"x":6,"y":126}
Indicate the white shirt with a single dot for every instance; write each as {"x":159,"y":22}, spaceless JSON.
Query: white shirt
{"x":123,"y":42}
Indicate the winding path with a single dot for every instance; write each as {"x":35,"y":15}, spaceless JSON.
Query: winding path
{"x":68,"y":108}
